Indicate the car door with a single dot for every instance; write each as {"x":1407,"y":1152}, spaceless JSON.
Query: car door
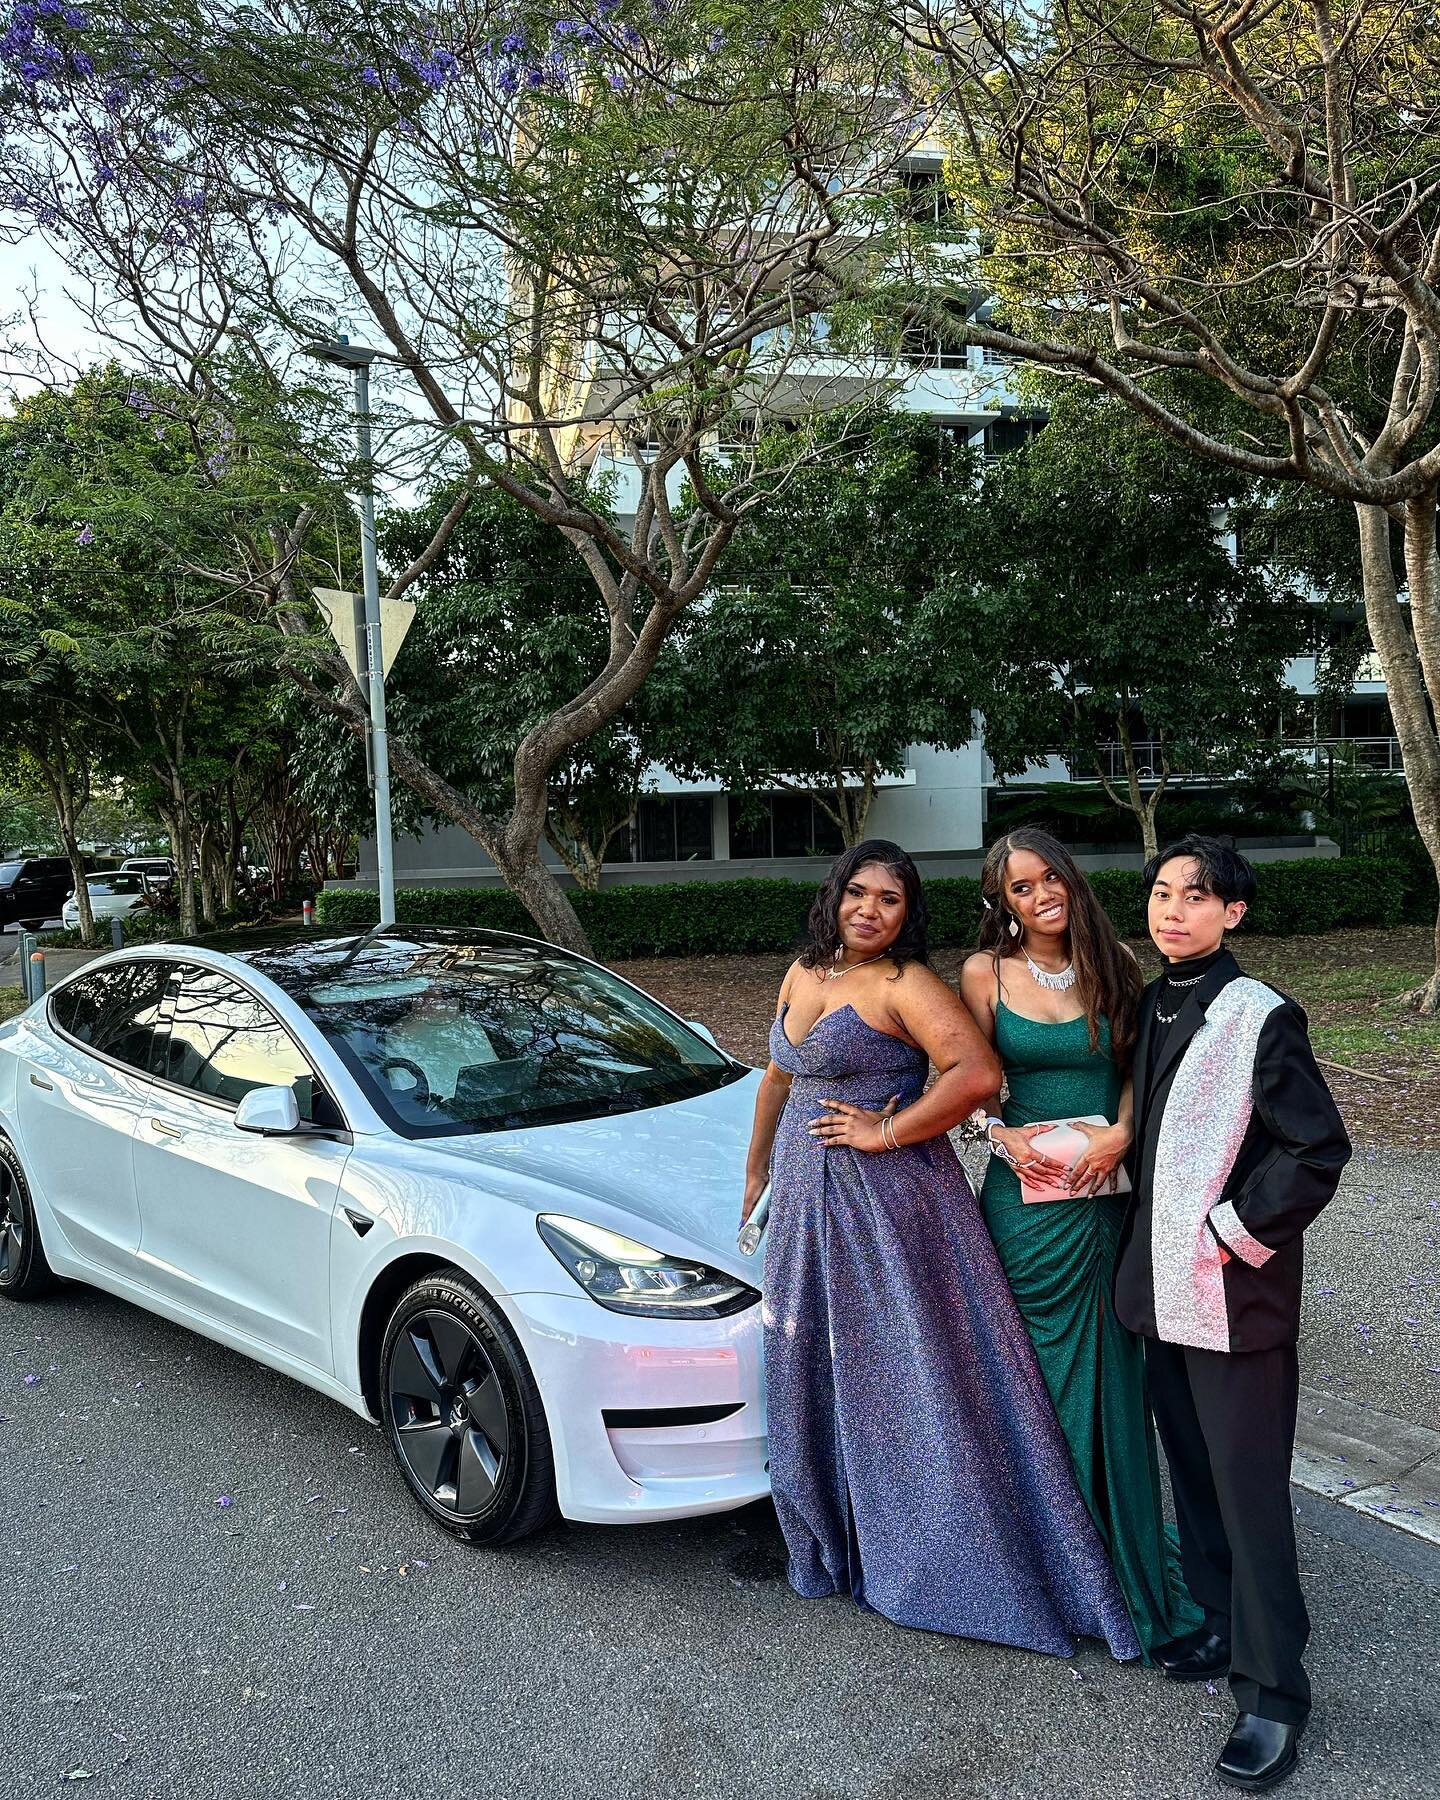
{"x":233,"y":1225}
{"x":82,"y":1095}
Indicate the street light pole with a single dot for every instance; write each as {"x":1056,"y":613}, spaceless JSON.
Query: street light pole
{"x":357,"y":359}
{"x":370,"y":577}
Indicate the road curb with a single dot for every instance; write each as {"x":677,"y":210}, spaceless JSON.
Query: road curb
{"x":1369,"y":1463}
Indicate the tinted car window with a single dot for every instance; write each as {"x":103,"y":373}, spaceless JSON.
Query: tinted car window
{"x":115,"y":884}
{"x":8,"y":872}
{"x":118,"y":1010}
{"x":447,"y":1039}
{"x":224,"y":1042}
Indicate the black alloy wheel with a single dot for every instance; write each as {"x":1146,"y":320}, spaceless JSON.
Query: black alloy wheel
{"x":24,"y":1272}
{"x":463,"y":1414}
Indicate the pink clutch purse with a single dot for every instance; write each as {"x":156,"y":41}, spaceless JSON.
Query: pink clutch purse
{"x":1061,"y":1142}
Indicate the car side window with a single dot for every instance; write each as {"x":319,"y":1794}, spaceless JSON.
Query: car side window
{"x":119,"y":1010}
{"x":223,"y":1042}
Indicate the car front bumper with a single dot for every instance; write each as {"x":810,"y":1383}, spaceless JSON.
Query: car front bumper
{"x":636,"y":1463}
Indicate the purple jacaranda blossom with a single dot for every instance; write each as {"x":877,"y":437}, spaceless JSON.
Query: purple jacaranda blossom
{"x":224,"y":1500}
{"x":86,"y":535}
{"x":104,"y":174}
{"x":176,"y":84}
{"x":632,"y":37}
{"x":509,"y":81}
{"x":617,"y":82}
{"x":191,"y":201}
{"x":217,"y":462}
{"x":82,"y":63}
{"x":514,"y":44}
{"x":75,"y":20}
{"x":606,"y":7}
{"x":717,"y":41}
{"x":564,"y":28}
{"x":535,"y":78}
{"x":370,"y":75}
{"x":114,"y":98}
{"x":50,"y":9}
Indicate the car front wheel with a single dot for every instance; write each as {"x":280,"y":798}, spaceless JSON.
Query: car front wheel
{"x":463,"y":1413}
{"x":24,"y":1272}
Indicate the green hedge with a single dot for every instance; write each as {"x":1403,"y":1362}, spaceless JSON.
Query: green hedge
{"x":696,"y":918}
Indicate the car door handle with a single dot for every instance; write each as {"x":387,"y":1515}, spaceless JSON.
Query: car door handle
{"x":166,"y":1129}
{"x":48,"y":1086}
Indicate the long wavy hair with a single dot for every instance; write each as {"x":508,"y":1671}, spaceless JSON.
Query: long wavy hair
{"x":822,"y":929}
{"x":1107,"y":977}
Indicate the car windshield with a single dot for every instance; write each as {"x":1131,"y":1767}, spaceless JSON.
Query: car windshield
{"x":449,"y":1038}
{"x":8,"y":872}
{"x":115,"y":884}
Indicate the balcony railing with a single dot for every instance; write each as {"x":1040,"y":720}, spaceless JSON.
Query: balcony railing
{"x":1380,"y":755}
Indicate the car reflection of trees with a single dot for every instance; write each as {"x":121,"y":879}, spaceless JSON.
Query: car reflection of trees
{"x":579,"y":1038}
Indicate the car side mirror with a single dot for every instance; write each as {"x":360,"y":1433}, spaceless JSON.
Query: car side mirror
{"x":269,"y":1112}
{"x":703,"y":1031}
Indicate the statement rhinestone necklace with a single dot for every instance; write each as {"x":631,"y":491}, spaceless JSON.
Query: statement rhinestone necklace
{"x":1056,"y":982}
{"x":1164,"y":1018}
{"x":836,"y":973}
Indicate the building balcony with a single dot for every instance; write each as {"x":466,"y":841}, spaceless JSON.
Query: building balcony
{"x":1380,"y":755}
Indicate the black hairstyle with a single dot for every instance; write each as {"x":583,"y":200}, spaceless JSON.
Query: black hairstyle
{"x":822,"y":928}
{"x":1107,"y":977}
{"x":1221,"y":869}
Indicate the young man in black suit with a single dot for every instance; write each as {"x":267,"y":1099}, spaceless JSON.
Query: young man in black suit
{"x":1238,"y":1145}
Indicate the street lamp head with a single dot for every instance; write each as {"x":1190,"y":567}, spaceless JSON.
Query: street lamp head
{"x":341,"y":352}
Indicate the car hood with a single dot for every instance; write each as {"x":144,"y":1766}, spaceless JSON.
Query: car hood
{"x":676,"y":1171}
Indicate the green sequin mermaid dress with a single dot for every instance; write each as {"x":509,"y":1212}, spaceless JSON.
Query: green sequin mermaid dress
{"x":1059,"y":1257}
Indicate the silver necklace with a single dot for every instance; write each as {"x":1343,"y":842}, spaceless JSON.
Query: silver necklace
{"x":1162,"y":1018}
{"x":835,"y":974}
{"x":1057,"y":982}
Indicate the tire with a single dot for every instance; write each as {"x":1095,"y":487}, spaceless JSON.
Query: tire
{"x":24,"y":1272}
{"x":32,"y":924}
{"x":463,"y":1414}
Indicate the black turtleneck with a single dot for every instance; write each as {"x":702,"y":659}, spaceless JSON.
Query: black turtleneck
{"x":1179,"y":981}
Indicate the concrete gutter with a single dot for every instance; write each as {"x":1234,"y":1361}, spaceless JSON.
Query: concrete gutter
{"x":1369,"y":1463}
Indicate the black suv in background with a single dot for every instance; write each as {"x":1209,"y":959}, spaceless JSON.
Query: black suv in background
{"x":34,"y":890}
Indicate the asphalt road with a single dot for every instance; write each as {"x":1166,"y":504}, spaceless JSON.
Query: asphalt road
{"x":218,"y":1587}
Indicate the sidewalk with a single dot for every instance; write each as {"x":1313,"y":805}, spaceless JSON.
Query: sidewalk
{"x":1369,"y":1462}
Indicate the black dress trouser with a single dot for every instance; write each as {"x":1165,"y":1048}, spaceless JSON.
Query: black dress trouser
{"x":1227,"y":1422}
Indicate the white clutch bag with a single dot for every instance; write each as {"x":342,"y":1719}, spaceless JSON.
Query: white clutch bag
{"x":1061,"y":1142}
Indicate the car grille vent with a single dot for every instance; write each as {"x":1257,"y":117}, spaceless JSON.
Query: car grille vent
{"x":643,"y":1418}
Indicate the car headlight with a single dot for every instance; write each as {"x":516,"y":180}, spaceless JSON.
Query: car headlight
{"x":627,"y":1277}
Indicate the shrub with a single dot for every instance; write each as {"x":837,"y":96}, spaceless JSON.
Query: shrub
{"x":696,"y":918}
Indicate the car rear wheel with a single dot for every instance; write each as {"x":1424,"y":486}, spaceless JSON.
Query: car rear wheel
{"x":24,"y":1272}
{"x":463,"y":1413}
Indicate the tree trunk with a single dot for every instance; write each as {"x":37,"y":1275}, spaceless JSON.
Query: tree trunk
{"x":69,"y":804}
{"x":205,"y":849}
{"x":1412,"y":673}
{"x":176,"y":820}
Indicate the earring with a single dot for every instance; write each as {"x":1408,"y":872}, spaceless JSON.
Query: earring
{"x":1014,"y":928}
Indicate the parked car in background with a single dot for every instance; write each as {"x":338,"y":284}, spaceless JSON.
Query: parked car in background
{"x":474,"y":1187}
{"x":158,"y":871}
{"x":33,"y":889}
{"x":114,"y":896}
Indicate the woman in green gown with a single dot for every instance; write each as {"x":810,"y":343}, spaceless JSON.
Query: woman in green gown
{"x":1057,"y":993}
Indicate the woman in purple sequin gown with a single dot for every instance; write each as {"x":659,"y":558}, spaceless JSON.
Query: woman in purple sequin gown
{"x":915,"y":1457}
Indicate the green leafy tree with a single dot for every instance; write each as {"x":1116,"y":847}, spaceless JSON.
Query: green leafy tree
{"x":1229,"y":220}
{"x":827,"y":656}
{"x":506,"y":629}
{"x":1110,"y":623}
{"x":574,"y":236}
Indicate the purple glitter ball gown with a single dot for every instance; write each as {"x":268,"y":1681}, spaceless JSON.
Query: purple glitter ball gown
{"x":916,"y":1460}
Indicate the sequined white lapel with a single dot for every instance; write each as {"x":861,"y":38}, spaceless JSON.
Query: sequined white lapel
{"x":1206,"y":1116}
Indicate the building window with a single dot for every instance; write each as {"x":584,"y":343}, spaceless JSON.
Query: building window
{"x":763,"y":826}
{"x":1002,"y":436}
{"x":927,"y":199}
{"x":673,"y":828}
{"x":922,"y":347}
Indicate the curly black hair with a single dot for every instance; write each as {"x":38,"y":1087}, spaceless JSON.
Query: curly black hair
{"x":822,"y":929}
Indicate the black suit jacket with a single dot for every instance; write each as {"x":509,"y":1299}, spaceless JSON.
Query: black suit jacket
{"x":1287,"y":1168}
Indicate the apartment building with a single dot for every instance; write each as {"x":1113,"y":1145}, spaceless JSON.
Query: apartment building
{"x":941,"y":805}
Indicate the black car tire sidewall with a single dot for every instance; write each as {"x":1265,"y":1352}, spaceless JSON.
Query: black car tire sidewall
{"x":525,"y":1498}
{"x":34,"y":1277}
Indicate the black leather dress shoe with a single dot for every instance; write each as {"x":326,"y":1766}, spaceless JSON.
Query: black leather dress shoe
{"x":1259,"y":1753}
{"x":1196,"y":1657}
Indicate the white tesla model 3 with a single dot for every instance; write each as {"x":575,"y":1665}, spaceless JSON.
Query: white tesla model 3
{"x":470,"y":1185}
